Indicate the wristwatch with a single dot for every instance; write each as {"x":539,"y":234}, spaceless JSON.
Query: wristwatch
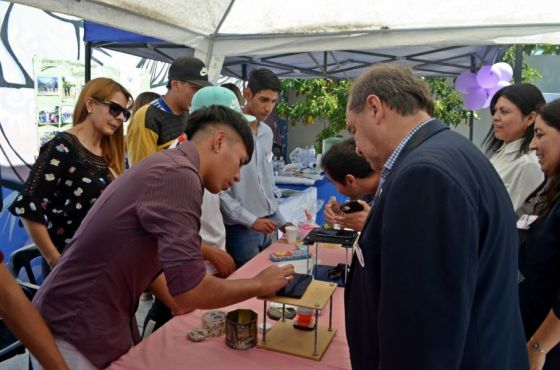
{"x":536,"y":346}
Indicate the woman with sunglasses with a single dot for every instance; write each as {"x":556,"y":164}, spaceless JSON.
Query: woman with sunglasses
{"x":74,"y":168}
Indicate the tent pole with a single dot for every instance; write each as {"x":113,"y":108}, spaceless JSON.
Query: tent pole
{"x":518,"y":64}
{"x":471,"y":125}
{"x":88,"y":61}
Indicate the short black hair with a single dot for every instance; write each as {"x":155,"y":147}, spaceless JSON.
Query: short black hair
{"x":263,"y":79}
{"x":527,"y":98}
{"x":341,"y":160}
{"x":218,"y":114}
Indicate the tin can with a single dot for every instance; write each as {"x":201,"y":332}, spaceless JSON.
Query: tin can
{"x":241,"y":329}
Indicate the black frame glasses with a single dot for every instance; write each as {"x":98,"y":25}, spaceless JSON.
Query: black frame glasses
{"x":114,"y":109}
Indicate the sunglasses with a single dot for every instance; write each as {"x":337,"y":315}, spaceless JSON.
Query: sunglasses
{"x":114,"y":109}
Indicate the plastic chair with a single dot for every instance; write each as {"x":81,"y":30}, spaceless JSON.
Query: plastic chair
{"x":10,"y":346}
{"x":21,"y":258}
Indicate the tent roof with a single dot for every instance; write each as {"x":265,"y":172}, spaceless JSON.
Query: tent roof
{"x":425,"y":60}
{"x":217,"y":29}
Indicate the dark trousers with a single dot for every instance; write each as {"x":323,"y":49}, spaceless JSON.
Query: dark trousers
{"x":158,"y":315}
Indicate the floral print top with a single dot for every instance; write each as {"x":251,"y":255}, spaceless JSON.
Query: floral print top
{"x":64,"y":183}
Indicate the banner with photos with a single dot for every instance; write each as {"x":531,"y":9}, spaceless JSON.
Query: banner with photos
{"x":58,"y":84}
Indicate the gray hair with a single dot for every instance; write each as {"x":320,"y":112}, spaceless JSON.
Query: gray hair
{"x":393,"y":84}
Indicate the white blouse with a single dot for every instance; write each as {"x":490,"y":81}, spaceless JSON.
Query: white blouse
{"x":520,"y":175}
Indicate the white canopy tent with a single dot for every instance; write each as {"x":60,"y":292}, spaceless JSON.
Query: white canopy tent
{"x":217,"y":29}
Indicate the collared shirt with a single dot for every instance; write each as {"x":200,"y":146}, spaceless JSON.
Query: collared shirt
{"x":153,"y":127}
{"x":390,"y":162}
{"x":521,"y":175}
{"x":146,"y":221}
{"x":162,"y":104}
{"x":253,"y":196}
{"x":212,"y":229}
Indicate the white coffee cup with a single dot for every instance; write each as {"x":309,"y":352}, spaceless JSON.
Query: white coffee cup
{"x":291,"y":234}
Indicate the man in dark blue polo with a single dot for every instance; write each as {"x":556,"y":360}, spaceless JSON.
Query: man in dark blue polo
{"x":433,"y":284}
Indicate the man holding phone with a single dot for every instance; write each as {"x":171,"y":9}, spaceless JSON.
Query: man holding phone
{"x":352,"y":176}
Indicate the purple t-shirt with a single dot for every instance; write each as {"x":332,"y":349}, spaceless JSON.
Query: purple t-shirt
{"x":146,"y":221}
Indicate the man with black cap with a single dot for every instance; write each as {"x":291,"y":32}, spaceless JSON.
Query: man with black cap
{"x":155,"y":126}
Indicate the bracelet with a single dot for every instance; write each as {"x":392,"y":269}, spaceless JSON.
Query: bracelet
{"x":536,"y":346}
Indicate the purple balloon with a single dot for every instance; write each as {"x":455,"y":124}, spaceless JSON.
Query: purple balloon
{"x":476,"y":98}
{"x":486,"y":78}
{"x":465,"y":82}
{"x":493,"y":91}
{"x":503,"y":70}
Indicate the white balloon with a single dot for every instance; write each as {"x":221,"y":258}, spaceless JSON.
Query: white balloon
{"x":503,"y":70}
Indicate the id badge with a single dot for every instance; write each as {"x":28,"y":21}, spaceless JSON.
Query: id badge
{"x":360,"y":255}
{"x":525,"y":221}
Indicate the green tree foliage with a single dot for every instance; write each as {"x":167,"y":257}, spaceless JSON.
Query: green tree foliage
{"x":448,"y":103}
{"x":318,"y":98}
{"x":323,"y":98}
{"x":529,"y":74}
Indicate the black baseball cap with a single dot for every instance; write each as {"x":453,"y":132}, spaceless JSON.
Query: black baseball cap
{"x":189,"y":69}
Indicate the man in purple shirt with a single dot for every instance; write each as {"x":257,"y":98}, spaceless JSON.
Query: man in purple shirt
{"x":147,"y":221}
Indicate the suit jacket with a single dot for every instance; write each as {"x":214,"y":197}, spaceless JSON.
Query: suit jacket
{"x":438,"y":287}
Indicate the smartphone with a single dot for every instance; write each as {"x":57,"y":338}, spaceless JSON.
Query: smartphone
{"x":296,"y":286}
{"x":351,"y":207}
{"x":335,"y":234}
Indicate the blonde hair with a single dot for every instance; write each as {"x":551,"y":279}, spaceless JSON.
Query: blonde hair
{"x":112,"y":146}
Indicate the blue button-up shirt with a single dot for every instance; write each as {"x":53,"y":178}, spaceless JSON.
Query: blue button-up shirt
{"x":390,"y":162}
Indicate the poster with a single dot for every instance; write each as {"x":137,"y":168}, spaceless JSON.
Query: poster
{"x":58,"y":84}
{"x":57,"y":87}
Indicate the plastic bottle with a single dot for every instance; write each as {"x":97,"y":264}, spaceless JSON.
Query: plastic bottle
{"x":282,"y":164}
{"x":275,"y":165}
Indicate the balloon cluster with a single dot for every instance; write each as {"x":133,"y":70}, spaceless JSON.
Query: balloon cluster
{"x":479,"y":88}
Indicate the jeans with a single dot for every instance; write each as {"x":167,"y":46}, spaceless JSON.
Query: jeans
{"x":243,"y":243}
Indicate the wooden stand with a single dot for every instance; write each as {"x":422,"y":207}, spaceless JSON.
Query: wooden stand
{"x":284,"y":338}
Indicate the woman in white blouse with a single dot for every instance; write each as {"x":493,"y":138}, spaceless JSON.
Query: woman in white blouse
{"x":513,"y":111}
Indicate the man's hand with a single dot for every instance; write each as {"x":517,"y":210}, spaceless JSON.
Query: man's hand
{"x":331,"y":210}
{"x":273,"y":278}
{"x":354,"y":220}
{"x":264,"y":225}
{"x":223,"y":262}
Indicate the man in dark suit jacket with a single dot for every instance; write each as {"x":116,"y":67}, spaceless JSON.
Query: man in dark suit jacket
{"x":433,"y":283}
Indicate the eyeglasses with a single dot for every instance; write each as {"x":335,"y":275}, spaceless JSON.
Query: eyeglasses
{"x":114,"y":109}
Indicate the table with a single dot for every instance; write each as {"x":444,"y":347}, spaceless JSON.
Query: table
{"x":168,"y":348}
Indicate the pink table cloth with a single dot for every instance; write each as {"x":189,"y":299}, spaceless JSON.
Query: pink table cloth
{"x":168,"y":348}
